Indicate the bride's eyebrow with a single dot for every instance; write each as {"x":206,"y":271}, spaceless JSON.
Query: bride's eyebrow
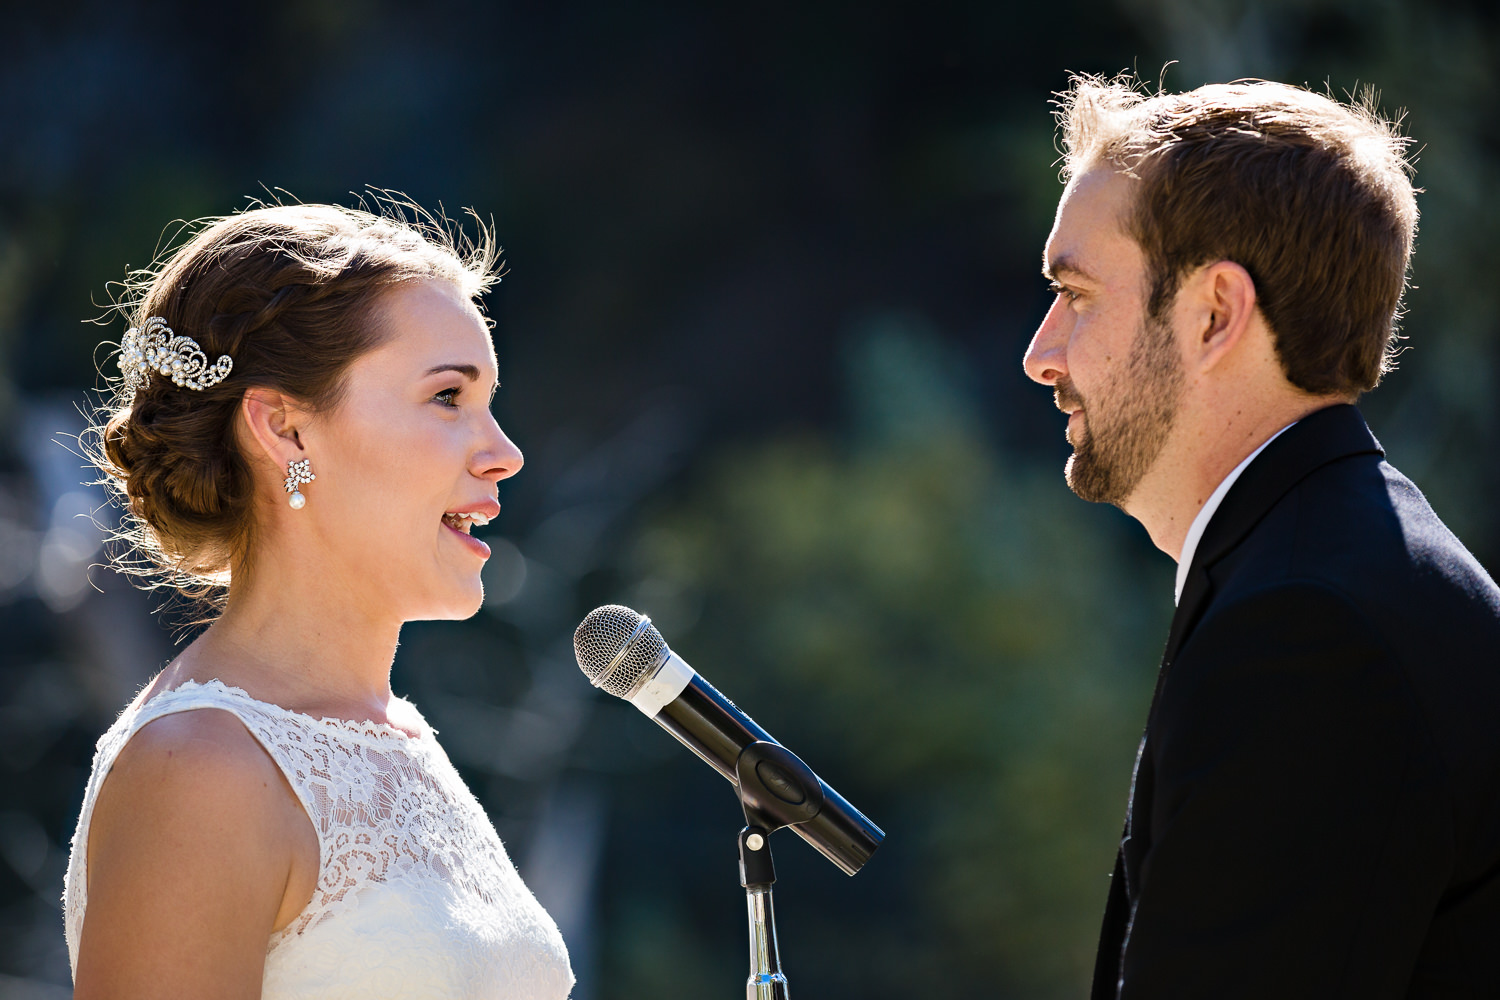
{"x":468,"y":371}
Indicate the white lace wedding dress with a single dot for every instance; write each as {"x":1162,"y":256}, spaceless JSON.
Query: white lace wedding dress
{"x":416,"y":896}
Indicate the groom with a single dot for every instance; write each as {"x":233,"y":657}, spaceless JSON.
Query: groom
{"x":1315,"y":810}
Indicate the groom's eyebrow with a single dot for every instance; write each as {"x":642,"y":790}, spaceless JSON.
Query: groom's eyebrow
{"x":1064,"y":265}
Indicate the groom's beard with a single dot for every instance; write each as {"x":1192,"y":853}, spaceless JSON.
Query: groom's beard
{"x":1126,"y":422}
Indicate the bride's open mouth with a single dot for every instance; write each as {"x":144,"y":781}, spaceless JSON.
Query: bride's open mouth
{"x":462,"y":522}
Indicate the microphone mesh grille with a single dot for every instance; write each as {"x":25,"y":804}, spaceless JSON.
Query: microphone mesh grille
{"x":599,"y":639}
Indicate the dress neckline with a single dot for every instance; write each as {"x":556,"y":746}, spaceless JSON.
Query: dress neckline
{"x":367,"y":727}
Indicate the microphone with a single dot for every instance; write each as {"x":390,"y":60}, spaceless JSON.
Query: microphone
{"x":622,"y":652}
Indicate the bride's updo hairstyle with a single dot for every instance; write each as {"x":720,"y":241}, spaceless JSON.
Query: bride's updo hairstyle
{"x":290,"y":293}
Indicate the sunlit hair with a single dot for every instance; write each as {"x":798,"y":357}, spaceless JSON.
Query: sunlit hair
{"x":1313,"y":197}
{"x":291,"y":293}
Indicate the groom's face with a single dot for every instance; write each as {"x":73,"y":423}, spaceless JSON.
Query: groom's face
{"x":1115,"y":371}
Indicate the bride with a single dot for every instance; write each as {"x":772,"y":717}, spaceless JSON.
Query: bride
{"x":302,"y":432}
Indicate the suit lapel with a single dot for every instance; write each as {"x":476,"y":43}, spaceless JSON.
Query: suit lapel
{"x":1314,"y":441}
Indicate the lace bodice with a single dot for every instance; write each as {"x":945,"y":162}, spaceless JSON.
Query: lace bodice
{"x":416,"y":896}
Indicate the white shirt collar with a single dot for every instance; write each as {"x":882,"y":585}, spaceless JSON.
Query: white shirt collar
{"x":1200,"y":523}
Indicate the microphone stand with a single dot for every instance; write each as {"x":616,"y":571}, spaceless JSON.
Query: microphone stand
{"x":767,"y":981}
{"x":776,"y":790}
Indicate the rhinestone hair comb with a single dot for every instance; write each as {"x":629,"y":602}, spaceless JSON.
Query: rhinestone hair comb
{"x":155,"y":348}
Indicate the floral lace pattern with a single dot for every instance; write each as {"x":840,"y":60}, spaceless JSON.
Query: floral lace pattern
{"x":416,"y":895}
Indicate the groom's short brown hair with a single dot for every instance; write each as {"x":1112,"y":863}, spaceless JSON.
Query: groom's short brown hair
{"x":1313,"y":197}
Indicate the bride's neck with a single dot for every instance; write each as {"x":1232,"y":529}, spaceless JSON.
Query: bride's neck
{"x":304,"y":642}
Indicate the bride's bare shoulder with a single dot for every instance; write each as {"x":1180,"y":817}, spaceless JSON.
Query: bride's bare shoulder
{"x":196,"y":773}
{"x":191,"y":849}
{"x":199,"y":738}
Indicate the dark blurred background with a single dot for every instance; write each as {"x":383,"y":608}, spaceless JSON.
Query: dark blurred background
{"x":772,"y":270}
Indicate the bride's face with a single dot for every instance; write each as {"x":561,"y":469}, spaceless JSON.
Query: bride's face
{"x":410,"y":447}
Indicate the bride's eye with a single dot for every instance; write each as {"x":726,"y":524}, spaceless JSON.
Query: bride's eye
{"x":448,"y":397}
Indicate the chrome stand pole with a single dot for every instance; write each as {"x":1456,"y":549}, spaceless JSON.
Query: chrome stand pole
{"x":767,"y":981}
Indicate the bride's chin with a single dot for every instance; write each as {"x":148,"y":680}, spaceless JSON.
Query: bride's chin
{"x":455,"y":601}
{"x":474,"y":606}
{"x":467,"y":605}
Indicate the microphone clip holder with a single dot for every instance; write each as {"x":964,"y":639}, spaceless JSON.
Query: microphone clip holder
{"x":776,"y":790}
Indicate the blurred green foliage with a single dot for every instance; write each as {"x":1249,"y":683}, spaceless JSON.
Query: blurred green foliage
{"x":949,"y":631}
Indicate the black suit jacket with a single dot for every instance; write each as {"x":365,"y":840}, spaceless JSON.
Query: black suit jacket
{"x":1316,"y":804}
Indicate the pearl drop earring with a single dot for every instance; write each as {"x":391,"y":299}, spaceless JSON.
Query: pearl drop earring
{"x":298,"y":473}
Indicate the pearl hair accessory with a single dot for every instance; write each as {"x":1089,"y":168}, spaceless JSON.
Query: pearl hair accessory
{"x":298,"y":473}
{"x":155,"y":348}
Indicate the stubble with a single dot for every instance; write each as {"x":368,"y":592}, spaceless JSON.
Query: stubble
{"x":1127,"y":421}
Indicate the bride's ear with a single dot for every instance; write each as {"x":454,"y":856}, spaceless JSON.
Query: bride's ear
{"x":273,"y":424}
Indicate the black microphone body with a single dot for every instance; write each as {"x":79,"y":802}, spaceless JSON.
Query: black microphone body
{"x":710,"y":725}
{"x":622,"y":652}
{"x":714,"y":728}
